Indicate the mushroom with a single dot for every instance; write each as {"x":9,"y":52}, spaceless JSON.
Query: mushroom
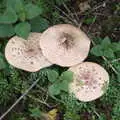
{"x":89,"y":82}
{"x":26,"y":54}
{"x":65,"y":45}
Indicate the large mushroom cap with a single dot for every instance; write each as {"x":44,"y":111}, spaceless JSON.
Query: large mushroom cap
{"x":26,"y":54}
{"x":64,"y":45}
{"x":90,"y":81}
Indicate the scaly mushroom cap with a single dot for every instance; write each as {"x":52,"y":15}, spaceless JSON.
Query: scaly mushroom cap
{"x":64,"y":45}
{"x":26,"y":54}
{"x":90,"y":81}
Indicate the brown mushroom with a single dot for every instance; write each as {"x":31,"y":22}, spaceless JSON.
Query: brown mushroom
{"x":89,"y":82}
{"x":26,"y":54}
{"x":65,"y":45}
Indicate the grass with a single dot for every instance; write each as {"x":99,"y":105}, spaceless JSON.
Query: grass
{"x":14,"y":82}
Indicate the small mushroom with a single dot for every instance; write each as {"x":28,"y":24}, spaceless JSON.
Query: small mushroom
{"x":65,"y":45}
{"x":26,"y":54}
{"x":89,"y":82}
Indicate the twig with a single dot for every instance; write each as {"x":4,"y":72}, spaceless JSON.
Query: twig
{"x":70,"y":13}
{"x":75,"y":13}
{"x":67,"y":16}
{"x":40,"y":101}
{"x":115,"y":60}
{"x":111,"y":66}
{"x":65,"y":6}
{"x":46,"y":97}
{"x":65,"y":19}
{"x":97,"y":114}
{"x":41,"y":88}
{"x":19,"y":99}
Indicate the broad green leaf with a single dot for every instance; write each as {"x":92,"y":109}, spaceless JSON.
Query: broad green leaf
{"x":20,"y":9}
{"x":32,"y":11}
{"x":23,"y":29}
{"x":106,"y":43}
{"x":19,"y":6}
{"x":115,"y":46}
{"x":39,"y":24}
{"x":9,"y":16}
{"x":54,"y":89}
{"x":2,"y":62}
{"x":35,"y":112}
{"x":67,"y":75}
{"x":109,"y":53}
{"x":10,"y":3}
{"x":14,"y":3}
{"x":52,"y":75}
{"x":97,"y":50}
{"x":6,"y":30}
{"x":64,"y":85}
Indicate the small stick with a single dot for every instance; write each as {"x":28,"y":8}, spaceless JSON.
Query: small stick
{"x":67,"y":16}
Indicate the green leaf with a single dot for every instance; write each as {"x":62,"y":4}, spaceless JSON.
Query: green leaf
{"x":39,"y":24}
{"x":20,"y":9}
{"x":23,"y":29}
{"x":9,"y":16}
{"x":64,"y":85}
{"x":106,"y":43}
{"x":54,"y":89}
{"x":97,"y":50}
{"x":32,"y":11}
{"x":115,"y":46}
{"x":6,"y":30}
{"x":35,"y":112}
{"x":10,"y":3}
{"x":67,"y":75}
{"x":109,"y":53}
{"x":19,"y":6}
{"x":2,"y":62}
{"x":52,"y":75}
{"x":90,"y":20}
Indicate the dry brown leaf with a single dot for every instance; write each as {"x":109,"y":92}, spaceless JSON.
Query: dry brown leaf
{"x":83,"y":6}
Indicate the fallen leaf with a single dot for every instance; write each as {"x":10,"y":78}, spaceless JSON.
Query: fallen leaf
{"x":52,"y":114}
{"x":83,"y":6}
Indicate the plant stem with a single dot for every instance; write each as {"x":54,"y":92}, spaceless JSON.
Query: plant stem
{"x":40,"y":101}
{"x":115,"y":60}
